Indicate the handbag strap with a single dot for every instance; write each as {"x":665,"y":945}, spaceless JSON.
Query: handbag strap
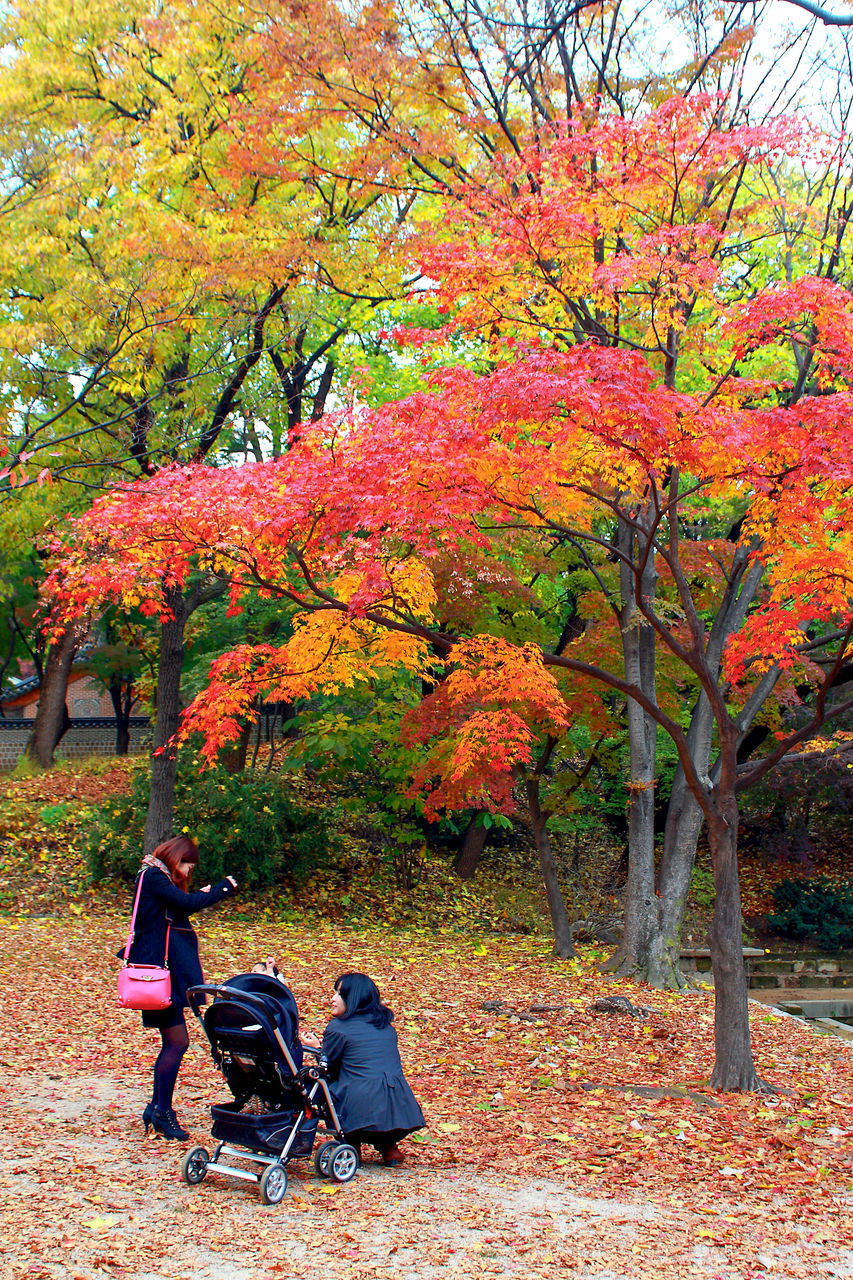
{"x":127,"y":945}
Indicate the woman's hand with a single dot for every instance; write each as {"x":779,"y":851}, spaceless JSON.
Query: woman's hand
{"x":310,"y":1039}
{"x":230,"y":879}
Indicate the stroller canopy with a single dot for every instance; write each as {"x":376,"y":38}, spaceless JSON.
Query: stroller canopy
{"x":279,"y":1009}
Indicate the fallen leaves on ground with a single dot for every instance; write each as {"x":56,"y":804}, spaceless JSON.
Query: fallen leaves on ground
{"x":44,"y":820}
{"x":559,"y":1138}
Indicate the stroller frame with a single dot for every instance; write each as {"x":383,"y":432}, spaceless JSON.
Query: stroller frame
{"x":335,"y":1158}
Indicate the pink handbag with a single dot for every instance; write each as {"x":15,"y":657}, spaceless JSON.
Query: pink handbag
{"x":144,"y":986}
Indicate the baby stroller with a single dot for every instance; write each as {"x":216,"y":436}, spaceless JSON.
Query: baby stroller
{"x":252,"y":1024}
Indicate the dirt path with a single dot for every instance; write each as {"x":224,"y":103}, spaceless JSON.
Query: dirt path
{"x":84,"y":1197}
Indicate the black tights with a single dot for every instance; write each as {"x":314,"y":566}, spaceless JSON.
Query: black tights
{"x":175,"y":1041}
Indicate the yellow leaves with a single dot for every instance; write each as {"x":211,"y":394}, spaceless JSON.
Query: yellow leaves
{"x":332,"y":649}
{"x":407,"y":585}
{"x":101,"y":1225}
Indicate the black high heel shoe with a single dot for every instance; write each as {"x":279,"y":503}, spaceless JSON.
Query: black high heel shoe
{"x":166,"y":1124}
{"x":147,"y":1117}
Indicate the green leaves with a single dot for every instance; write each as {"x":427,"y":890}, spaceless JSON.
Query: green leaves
{"x":245,"y":825}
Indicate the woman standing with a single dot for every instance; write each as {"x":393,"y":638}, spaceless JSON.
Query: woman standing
{"x":373,"y":1100}
{"x":164,"y":908}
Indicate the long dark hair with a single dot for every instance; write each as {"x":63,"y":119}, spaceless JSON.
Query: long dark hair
{"x":361,"y":996}
{"x":175,"y":851}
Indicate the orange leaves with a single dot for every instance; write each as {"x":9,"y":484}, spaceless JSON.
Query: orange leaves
{"x":489,"y":670}
{"x":481,"y":723}
{"x":475,"y":766}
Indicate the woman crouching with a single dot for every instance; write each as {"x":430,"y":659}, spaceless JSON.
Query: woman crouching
{"x":373,"y":1100}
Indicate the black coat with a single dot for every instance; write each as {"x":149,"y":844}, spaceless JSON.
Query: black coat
{"x":368,"y":1085}
{"x":161,"y":901}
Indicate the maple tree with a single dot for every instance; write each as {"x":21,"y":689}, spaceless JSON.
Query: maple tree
{"x":580,"y":444}
{"x":511,"y":69}
{"x":551,"y":277}
{"x":162,"y":159}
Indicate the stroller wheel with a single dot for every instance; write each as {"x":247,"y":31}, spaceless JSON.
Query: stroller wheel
{"x":194,"y":1166}
{"x":273,"y":1183}
{"x":322,"y":1157}
{"x":343,"y":1163}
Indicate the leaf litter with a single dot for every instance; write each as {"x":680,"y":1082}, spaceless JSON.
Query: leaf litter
{"x":567,"y":1141}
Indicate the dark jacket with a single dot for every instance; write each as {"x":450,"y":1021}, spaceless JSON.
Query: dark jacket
{"x":159,"y":901}
{"x":368,"y":1085}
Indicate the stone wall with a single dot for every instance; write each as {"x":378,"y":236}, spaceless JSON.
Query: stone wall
{"x":84,"y":738}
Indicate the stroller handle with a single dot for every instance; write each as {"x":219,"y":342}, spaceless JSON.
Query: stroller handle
{"x":196,"y":996}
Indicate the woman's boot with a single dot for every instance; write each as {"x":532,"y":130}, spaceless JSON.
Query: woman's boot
{"x":166,"y":1124}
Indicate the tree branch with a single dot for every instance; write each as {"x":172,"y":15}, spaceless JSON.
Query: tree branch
{"x":828,"y":19}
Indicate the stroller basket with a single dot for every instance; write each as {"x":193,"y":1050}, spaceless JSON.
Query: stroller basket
{"x":267,"y":1132}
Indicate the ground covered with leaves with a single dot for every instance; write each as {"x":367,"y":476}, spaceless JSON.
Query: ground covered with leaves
{"x":45,"y":820}
{"x":560,"y":1139}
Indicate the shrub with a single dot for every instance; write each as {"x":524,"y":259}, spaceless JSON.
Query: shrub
{"x":703,"y":888}
{"x":815,"y":909}
{"x":245,"y":826}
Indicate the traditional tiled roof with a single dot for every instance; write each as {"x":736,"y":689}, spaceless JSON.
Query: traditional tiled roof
{"x":18,"y":693}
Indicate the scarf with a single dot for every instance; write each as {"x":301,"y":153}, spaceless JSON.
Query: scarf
{"x":150,"y":861}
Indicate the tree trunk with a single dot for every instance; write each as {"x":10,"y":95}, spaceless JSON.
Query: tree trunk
{"x":470,"y":850}
{"x":633,"y":957}
{"x":52,"y":717}
{"x":563,"y":945}
{"x":679,"y":856}
{"x":233,"y":757}
{"x":164,"y":764}
{"x":733,"y":1064}
{"x":684,"y":820}
{"x":659,"y":947}
{"x":121,"y":696}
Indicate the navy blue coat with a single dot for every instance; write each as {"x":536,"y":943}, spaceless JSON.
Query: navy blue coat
{"x":367,"y":1081}
{"x":160,"y":901}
